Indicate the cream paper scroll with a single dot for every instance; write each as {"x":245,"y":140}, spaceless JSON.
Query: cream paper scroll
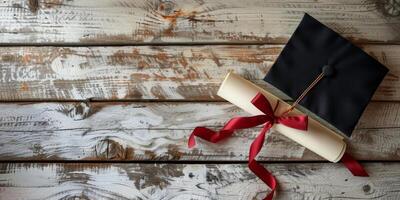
{"x":317,"y":138}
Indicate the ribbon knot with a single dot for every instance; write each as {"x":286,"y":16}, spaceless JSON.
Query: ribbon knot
{"x":299,"y":122}
{"x":269,"y":119}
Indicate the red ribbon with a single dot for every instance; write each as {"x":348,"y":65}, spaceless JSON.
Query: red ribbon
{"x":353,"y":166}
{"x":269,"y":119}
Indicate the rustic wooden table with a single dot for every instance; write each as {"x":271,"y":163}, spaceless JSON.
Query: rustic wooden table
{"x":98,"y":98}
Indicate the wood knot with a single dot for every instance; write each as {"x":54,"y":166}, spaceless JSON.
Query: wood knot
{"x":77,"y":111}
{"x":33,"y":6}
{"x":166,"y":7}
{"x":191,"y":175}
{"x":109,"y":149}
{"x":389,"y":8}
{"x":366,"y":188}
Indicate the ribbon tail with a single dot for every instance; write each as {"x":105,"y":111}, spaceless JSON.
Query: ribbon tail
{"x":257,"y":168}
{"x":353,"y":165}
{"x":191,"y":141}
{"x":265,"y":176}
{"x":227,"y":130}
{"x":208,"y":134}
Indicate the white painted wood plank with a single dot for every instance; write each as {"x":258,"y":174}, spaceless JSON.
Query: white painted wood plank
{"x":159,"y":131}
{"x":182,"y":181}
{"x":149,"y":72}
{"x":153,"y":21}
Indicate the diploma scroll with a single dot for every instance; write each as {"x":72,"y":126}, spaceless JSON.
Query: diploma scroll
{"x":318,"y":138}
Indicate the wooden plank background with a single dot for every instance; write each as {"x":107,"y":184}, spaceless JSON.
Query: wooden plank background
{"x":182,"y":21}
{"x":98,"y":98}
{"x":194,"y":181}
{"x":159,"y":131}
{"x":190,"y":73}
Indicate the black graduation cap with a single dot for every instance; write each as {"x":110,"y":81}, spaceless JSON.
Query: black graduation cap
{"x":351,"y":75}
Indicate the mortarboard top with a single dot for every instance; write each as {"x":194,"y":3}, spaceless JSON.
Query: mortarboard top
{"x":351,"y":78}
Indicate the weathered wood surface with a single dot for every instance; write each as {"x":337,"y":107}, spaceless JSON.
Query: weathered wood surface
{"x":152,"y":131}
{"x":181,"y":181}
{"x":149,"y":72}
{"x":156,"y":21}
{"x":159,"y":131}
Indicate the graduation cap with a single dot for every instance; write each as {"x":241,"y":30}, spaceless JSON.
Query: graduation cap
{"x":350,"y":76}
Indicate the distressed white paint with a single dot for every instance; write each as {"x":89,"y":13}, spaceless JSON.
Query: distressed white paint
{"x":137,"y":21}
{"x":71,"y":131}
{"x":145,"y":72}
{"x":181,"y":181}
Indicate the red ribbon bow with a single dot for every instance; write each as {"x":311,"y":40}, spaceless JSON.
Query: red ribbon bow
{"x":259,"y":101}
{"x":269,"y":119}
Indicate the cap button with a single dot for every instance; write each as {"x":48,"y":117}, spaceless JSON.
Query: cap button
{"x":328,"y":70}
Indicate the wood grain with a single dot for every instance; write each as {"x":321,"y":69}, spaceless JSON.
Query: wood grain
{"x":182,"y":181}
{"x":154,"y":21}
{"x":149,"y":72}
{"x":95,"y":139}
{"x":159,"y":131}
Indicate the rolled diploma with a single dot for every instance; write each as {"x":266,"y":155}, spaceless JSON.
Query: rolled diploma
{"x":318,"y":138}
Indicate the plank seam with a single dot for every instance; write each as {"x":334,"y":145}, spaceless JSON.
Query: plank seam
{"x":122,"y":44}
